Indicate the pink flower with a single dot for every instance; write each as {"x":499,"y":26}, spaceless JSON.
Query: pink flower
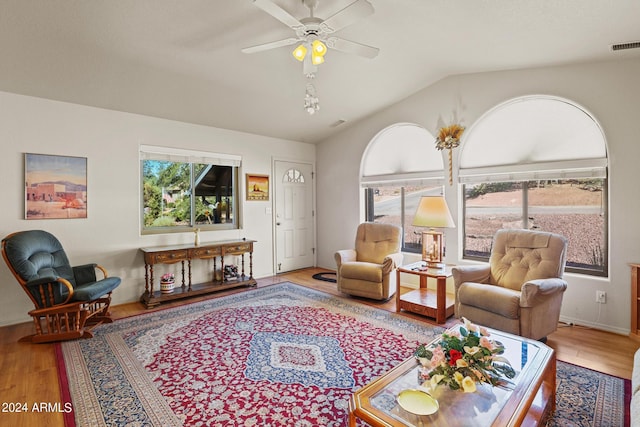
{"x":486,"y":343}
{"x":438,"y":356}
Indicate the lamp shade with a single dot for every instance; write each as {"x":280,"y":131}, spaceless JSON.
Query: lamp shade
{"x":433,"y":212}
{"x":300,"y":52}
{"x":316,"y":59}
{"x":319,"y":48}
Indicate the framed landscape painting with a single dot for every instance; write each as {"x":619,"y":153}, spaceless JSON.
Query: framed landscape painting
{"x":257,"y":187}
{"x":55,"y":186}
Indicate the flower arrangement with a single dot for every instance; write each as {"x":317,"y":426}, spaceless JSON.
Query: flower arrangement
{"x":167,"y":278}
{"x":462,"y":359}
{"x":449,"y":138}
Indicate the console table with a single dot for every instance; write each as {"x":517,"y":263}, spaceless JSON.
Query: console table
{"x":185,"y":254}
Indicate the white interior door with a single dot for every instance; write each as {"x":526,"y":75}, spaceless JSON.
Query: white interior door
{"x":295,"y":245}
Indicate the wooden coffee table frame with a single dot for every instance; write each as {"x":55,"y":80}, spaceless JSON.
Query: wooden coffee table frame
{"x":531,"y":401}
{"x":435,"y":304}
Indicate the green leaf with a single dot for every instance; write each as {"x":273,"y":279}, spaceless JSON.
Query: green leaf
{"x":422,"y":351}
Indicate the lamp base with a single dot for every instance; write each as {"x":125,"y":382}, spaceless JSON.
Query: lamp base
{"x":435,"y":265}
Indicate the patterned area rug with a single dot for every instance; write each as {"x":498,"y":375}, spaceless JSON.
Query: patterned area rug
{"x":282,"y":355}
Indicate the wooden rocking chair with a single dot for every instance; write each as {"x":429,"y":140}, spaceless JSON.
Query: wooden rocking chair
{"x":69,"y":301}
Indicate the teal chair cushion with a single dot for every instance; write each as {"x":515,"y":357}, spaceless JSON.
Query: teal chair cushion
{"x":94,"y":290}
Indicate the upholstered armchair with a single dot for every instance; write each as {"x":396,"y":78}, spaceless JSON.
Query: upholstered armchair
{"x":69,"y":301}
{"x":368,"y":270}
{"x":521,"y":289}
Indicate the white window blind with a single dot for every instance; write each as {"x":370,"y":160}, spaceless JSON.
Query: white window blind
{"x":401,"y":155}
{"x":533,"y":138}
{"x":149,"y":152}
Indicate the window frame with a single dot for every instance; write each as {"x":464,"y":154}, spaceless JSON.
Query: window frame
{"x":525,"y":222}
{"x":385,"y":163}
{"x":564,"y":142}
{"x":369,"y":193}
{"x":192,"y":159}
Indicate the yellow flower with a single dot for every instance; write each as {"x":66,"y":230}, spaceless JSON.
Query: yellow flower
{"x":470,"y":326}
{"x":471,"y":350}
{"x":468,"y":385}
{"x":424,"y":361}
{"x":457,"y":376}
{"x":461,"y":363}
{"x":435,"y":380}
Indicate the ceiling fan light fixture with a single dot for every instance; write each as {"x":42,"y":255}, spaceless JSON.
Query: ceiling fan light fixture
{"x":316,"y":59}
{"x":311,"y":101}
{"x":318,"y":48}
{"x":300,"y":52}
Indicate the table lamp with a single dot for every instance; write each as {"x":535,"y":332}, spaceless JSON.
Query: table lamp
{"x":433,"y":212}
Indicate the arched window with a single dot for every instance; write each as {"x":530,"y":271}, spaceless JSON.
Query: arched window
{"x":537,"y":162}
{"x":293,"y":176}
{"x":399,"y":165}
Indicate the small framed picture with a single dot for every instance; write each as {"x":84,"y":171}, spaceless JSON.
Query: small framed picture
{"x":257,"y":187}
{"x":55,"y":186}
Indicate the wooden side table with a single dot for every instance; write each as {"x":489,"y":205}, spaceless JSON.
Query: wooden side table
{"x":436,"y":304}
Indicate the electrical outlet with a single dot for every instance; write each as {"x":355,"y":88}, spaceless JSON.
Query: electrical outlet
{"x":601,"y":297}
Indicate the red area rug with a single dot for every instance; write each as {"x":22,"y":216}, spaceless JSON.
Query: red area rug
{"x":282,"y":355}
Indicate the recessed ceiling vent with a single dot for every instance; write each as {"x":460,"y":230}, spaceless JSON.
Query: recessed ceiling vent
{"x":625,"y":46}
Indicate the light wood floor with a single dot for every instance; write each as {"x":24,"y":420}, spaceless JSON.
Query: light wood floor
{"x":28,"y":372}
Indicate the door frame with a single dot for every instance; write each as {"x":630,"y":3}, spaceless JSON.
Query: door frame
{"x":274,"y":233}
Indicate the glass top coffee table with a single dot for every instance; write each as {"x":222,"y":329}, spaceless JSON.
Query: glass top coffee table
{"x":526,"y":399}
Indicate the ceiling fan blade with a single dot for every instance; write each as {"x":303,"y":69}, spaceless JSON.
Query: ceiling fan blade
{"x":270,"y":45}
{"x":348,"y":46}
{"x":347,"y":16}
{"x":279,"y":13}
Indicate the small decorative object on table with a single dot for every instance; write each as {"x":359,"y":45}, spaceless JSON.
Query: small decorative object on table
{"x":462,"y":359}
{"x":449,"y":138}
{"x":196,"y":241}
{"x":230,"y":272}
{"x":167,"y":282}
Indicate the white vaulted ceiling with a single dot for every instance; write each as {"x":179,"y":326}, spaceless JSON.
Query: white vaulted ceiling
{"x":181,"y":60}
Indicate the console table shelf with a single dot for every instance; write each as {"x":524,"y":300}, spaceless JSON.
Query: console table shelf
{"x":184,"y":254}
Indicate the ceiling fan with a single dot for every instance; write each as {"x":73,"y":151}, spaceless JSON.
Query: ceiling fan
{"x":316,"y":35}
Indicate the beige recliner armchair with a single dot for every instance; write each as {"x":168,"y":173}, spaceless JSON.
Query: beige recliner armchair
{"x":368,"y":270}
{"x":521,"y":289}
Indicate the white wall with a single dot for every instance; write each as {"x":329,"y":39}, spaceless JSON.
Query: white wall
{"x":110,"y":141}
{"x":608,"y":90}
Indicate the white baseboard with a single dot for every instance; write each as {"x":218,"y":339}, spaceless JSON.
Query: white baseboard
{"x":594,"y":325}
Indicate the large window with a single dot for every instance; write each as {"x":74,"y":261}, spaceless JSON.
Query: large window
{"x":397,"y":205}
{"x":537,"y":163}
{"x":573,"y":208}
{"x":401,"y":164}
{"x":184,"y":189}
